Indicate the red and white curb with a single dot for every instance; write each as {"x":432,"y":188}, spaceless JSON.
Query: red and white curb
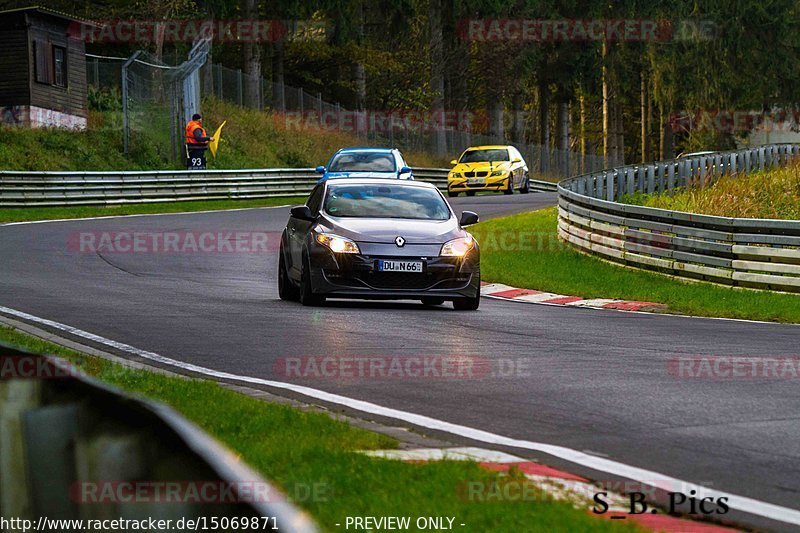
{"x":555,"y":483}
{"x":506,"y":292}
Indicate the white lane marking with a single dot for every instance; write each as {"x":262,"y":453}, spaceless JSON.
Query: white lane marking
{"x":142,"y":215}
{"x":595,"y":302}
{"x":480,"y":455}
{"x":538,"y":297}
{"x":495,"y":287}
{"x":640,"y":475}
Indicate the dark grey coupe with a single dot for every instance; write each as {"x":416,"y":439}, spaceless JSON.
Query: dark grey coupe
{"x":366,"y":238}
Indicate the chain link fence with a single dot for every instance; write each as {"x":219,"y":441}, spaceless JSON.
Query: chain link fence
{"x":155,"y":99}
{"x":157,"y":109}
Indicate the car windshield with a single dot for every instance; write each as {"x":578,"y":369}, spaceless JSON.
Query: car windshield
{"x":363,"y":162}
{"x":382,"y":201}
{"x":481,"y":156}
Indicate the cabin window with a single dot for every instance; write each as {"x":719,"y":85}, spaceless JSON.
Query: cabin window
{"x":50,"y":64}
{"x":59,"y":66}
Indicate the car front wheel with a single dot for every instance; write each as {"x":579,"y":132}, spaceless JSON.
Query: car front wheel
{"x":307,"y":295}
{"x":510,"y":188}
{"x":526,"y":185}
{"x":452,"y":194}
{"x":287,"y":290}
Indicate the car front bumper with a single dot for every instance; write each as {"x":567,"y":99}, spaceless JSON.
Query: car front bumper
{"x":499,"y":183}
{"x":356,"y":276}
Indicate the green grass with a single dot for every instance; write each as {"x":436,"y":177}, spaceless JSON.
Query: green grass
{"x":774,"y":193}
{"x":297,"y":449}
{"x":250,"y":139}
{"x":19,"y":214}
{"x":524,"y":251}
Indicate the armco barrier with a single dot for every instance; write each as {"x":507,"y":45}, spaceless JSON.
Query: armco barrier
{"x":759,"y":253}
{"x":73,"y":448}
{"x":41,"y":189}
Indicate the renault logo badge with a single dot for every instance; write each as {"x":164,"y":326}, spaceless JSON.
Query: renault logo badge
{"x":399,"y":241}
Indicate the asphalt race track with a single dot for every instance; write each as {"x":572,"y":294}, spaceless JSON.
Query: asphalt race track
{"x":594,"y":381}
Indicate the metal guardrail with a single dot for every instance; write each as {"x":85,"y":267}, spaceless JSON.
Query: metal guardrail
{"x":74,"y":448}
{"x":42,"y":189}
{"x":758,"y":253}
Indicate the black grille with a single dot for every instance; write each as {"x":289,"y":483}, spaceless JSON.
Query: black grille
{"x":476,"y":174}
{"x":402,"y":280}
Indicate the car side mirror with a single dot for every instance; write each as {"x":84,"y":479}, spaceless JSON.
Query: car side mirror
{"x":468,"y":218}
{"x":454,"y":162}
{"x":302,"y":212}
{"x":320,"y":170}
{"x":405,"y":170}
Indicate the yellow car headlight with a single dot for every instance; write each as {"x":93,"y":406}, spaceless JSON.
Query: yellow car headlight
{"x":455,"y":175}
{"x":337,"y":244}
{"x":457,"y":247}
{"x":498,"y":172}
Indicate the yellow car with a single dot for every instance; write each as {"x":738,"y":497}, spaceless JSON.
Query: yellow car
{"x":488,"y":168}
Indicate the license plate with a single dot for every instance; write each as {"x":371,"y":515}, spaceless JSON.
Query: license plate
{"x":476,"y":181}
{"x":400,"y":266}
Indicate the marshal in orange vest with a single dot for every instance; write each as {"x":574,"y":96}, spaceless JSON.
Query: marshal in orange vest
{"x":190,"y":129}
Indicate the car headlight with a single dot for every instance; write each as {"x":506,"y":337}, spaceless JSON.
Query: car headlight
{"x":498,"y":172}
{"x":337,"y":244}
{"x":455,"y":175}
{"x":457,"y":247}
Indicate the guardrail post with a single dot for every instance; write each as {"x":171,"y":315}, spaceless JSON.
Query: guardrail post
{"x":609,"y":177}
{"x":661,"y":171}
{"x":651,"y":176}
{"x":702,"y":170}
{"x":628,"y":178}
{"x":761,"y":158}
{"x":670,"y":176}
{"x":598,"y":182}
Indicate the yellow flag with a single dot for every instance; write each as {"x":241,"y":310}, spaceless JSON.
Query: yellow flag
{"x":213,"y":144}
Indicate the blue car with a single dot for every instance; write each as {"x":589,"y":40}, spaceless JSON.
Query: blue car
{"x":366,"y":163}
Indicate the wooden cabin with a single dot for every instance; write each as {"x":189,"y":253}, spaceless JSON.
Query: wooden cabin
{"x":42,"y":69}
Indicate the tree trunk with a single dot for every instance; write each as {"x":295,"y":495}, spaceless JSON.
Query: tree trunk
{"x":582,"y":104}
{"x":278,"y":87}
{"x":667,"y":148}
{"x":643,"y":108}
{"x":496,"y":123}
{"x":437,"y":71}
{"x":619,"y":134}
{"x":251,"y":55}
{"x":609,"y":139}
{"x":562,"y":127}
{"x":518,"y":125}
{"x":650,"y":141}
{"x":544,"y":126}
{"x":359,"y":71}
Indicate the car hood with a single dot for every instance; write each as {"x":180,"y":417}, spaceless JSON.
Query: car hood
{"x":482,"y":166}
{"x":385,"y":230}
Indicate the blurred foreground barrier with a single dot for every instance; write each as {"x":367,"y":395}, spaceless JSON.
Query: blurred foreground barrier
{"x":41,"y":189}
{"x":72,"y":448}
{"x":758,"y":253}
